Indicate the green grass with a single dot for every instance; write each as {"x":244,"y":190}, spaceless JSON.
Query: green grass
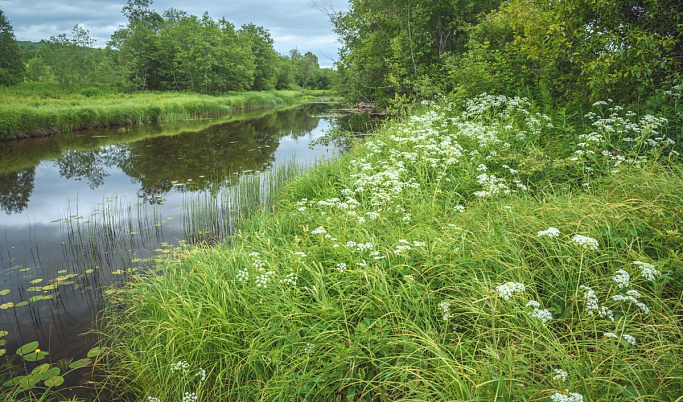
{"x":383,"y":275}
{"x":31,"y":110}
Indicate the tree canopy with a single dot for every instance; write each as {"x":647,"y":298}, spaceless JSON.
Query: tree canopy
{"x":11,"y":67}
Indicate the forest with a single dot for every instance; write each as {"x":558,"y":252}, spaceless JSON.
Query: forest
{"x":167,"y":51}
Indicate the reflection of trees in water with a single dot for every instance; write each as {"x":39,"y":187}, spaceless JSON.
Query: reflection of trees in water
{"x":206,"y":160}
{"x":88,"y":165}
{"x":16,"y":189}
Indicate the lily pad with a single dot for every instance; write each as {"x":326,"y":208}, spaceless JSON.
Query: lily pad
{"x":54,"y":381}
{"x":50,"y":287}
{"x":3,"y":351}
{"x":29,"y":347}
{"x":41,"y":369}
{"x":33,"y":282}
{"x":4,"y":292}
{"x":35,"y":289}
{"x":80,"y":363}
{"x":34,"y":357}
{"x":3,"y":333}
{"x":21,"y":304}
{"x":5,"y":306}
{"x":96,"y":351}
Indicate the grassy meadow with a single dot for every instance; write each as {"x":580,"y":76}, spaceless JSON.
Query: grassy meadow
{"x":477,"y":250}
{"x":32,"y":109}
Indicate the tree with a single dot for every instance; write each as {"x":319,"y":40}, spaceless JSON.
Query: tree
{"x":72,"y":59}
{"x":11,"y":67}
{"x":393,"y":49}
{"x":265,"y":56}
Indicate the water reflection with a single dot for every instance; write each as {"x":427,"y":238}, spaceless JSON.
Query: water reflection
{"x":81,"y":209}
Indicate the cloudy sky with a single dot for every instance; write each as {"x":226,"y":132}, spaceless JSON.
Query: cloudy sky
{"x":292,"y":23}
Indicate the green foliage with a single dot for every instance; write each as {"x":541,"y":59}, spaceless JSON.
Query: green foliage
{"x":393,"y":48}
{"x":11,"y":67}
{"x":575,"y":51}
{"x":38,"y":109}
{"x":395,"y":272}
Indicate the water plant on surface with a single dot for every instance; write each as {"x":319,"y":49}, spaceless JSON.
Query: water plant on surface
{"x":42,"y":377}
{"x":457,"y":255}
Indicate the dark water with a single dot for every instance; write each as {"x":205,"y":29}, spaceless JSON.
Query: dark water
{"x":78,"y":212}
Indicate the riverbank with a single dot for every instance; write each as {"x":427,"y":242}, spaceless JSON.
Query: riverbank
{"x":29,"y":110}
{"x":468,"y":252}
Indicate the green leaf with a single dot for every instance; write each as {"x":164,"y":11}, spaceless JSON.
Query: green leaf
{"x":41,"y":369}
{"x":33,"y":357}
{"x":94,"y":352}
{"x":54,"y":381}
{"x":80,"y":363}
{"x":53,"y":372}
{"x":13,"y":381}
{"x":21,"y":304}
{"x":3,"y":333}
{"x":29,"y":347}
{"x":4,"y":292}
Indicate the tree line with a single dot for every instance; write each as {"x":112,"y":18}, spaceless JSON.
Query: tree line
{"x":172,"y":50}
{"x":571,"y":51}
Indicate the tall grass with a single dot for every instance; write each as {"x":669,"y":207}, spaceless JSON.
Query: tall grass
{"x":458,"y":255}
{"x":46,"y":110}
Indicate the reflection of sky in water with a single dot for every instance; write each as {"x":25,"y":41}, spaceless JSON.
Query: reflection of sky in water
{"x":34,"y":238}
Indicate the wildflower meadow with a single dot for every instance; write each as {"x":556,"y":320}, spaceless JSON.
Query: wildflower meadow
{"x":477,"y":250}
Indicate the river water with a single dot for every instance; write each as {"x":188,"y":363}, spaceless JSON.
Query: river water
{"x":80,"y":211}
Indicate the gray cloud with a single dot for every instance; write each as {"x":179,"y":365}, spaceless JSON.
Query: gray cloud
{"x":292,"y":23}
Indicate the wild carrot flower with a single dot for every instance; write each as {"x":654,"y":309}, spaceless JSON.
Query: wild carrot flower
{"x":550,"y":232}
{"x":629,"y":338}
{"x":621,"y":279}
{"x":189,"y":397}
{"x":445,"y":308}
{"x":181,"y":366}
{"x":573,"y":397}
{"x":587,"y":243}
{"x":647,"y":271}
{"x":319,"y":230}
{"x":506,"y":290}
{"x":560,"y":375}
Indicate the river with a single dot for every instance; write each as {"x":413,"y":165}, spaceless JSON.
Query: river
{"x":81,"y":211}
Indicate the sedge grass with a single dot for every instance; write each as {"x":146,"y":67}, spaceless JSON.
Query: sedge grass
{"x":416,"y":268}
{"x":29,"y":113}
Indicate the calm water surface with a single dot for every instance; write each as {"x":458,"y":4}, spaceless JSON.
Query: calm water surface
{"x":79,"y":211}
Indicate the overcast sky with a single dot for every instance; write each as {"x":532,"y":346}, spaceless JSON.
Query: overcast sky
{"x":292,"y":23}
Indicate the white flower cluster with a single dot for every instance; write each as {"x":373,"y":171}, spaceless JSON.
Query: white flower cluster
{"x":573,"y":397}
{"x":262,"y":279}
{"x":587,"y":243}
{"x":647,"y":271}
{"x":341,"y":267}
{"x":319,"y":230}
{"x":592,"y":304}
{"x":621,"y":278}
{"x":628,"y":338}
{"x":189,"y":397}
{"x":507,"y":289}
{"x":445,"y":308}
{"x":632,"y":296}
{"x":550,"y":232}
{"x":560,"y":375}
{"x":201,"y":374}
{"x":290,"y":279}
{"x":542,"y":314}
{"x":181,"y":366}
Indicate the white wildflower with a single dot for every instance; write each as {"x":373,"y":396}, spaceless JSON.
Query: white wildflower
{"x":610,"y":335}
{"x":445,"y":308}
{"x":560,"y":375}
{"x":533,"y":303}
{"x":341,"y":267}
{"x":290,"y":279}
{"x":629,"y":338}
{"x":459,"y":208}
{"x":300,"y":253}
{"x":621,"y":279}
{"x":181,"y":366}
{"x":319,"y":230}
{"x":573,"y":397}
{"x":588,"y":243}
{"x":202,"y":374}
{"x":543,"y":315}
{"x":506,"y":290}
{"x":647,"y":271}
{"x":189,"y":397}
{"x":550,"y":232}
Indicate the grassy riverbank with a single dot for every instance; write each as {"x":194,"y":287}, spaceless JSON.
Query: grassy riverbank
{"x":40,"y":109}
{"x":476,"y":251}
